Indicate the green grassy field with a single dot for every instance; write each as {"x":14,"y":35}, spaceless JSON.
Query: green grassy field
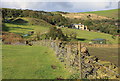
{"x":107,"y":13}
{"x":105,"y":54}
{"x":31,"y":62}
{"x":87,"y":36}
{"x":32,"y":24}
{"x":24,"y":29}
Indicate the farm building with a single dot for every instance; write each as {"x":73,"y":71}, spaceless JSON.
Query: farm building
{"x":99,"y":41}
{"x":79,"y":26}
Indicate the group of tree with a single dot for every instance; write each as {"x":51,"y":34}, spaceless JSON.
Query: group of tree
{"x":56,"y":33}
{"x":54,"y":19}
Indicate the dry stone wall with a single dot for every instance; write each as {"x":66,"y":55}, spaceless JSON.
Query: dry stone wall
{"x":76,"y":56}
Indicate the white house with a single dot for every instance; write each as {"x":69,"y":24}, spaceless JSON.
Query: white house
{"x":79,"y":26}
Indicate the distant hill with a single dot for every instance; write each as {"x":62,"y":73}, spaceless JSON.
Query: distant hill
{"x":94,"y":15}
{"x":107,"y":13}
{"x":85,"y":16}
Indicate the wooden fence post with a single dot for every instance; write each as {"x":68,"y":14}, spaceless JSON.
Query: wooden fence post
{"x":80,"y":63}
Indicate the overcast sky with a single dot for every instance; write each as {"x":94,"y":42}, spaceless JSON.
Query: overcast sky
{"x":61,"y":5}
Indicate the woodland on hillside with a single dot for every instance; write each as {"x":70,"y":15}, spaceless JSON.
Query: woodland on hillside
{"x":109,"y":26}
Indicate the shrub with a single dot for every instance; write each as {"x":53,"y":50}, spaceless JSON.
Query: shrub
{"x":55,"y":33}
{"x":9,"y":38}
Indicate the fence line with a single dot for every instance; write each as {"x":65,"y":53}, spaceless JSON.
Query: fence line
{"x":76,"y":56}
{"x":102,"y":45}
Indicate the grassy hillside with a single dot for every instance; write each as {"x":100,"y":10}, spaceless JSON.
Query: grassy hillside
{"x":24,"y":25}
{"x":83,"y":36}
{"x":95,"y":15}
{"x":24,"y":29}
{"x":32,"y":24}
{"x":31,"y":62}
{"x":107,"y":13}
{"x":84,"y":16}
{"x":87,"y":36}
